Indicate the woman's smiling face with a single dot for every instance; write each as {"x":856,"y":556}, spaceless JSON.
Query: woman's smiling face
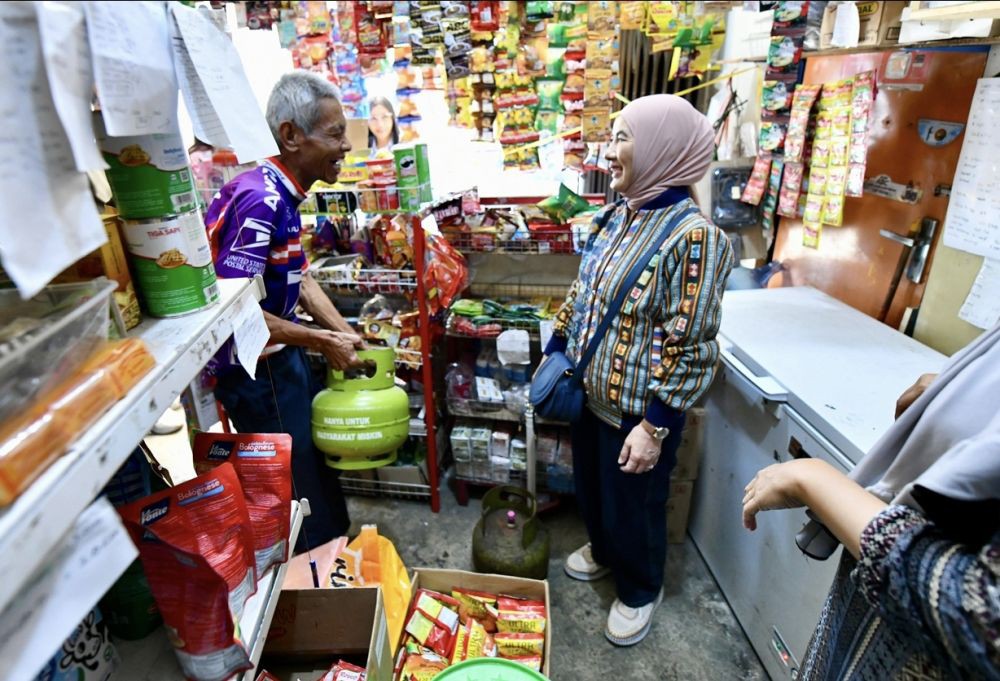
{"x":620,"y":154}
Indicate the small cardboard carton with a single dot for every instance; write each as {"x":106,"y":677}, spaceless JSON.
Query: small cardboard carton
{"x":443,"y":581}
{"x":678,"y":509}
{"x":313,"y":628}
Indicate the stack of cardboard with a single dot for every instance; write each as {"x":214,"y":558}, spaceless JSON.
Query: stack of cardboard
{"x":684,"y":475}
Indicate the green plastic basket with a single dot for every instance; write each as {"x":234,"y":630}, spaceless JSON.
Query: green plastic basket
{"x":489,"y":669}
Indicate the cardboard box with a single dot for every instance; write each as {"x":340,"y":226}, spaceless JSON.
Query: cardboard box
{"x":922,"y":30}
{"x":678,"y":509}
{"x":689,"y":451}
{"x":880,"y":23}
{"x":313,"y":628}
{"x":444,"y":581}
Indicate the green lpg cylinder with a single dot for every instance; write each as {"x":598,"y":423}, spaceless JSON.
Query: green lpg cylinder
{"x":362,"y":417}
{"x":509,"y":539}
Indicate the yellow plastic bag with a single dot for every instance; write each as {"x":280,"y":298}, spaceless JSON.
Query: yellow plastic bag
{"x":371,"y":560}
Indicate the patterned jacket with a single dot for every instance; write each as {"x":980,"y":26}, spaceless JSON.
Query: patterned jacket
{"x":660,"y":353}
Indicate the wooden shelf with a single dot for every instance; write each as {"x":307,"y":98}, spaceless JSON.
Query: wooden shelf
{"x":958,"y":42}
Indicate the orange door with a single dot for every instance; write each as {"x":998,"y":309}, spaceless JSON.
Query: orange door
{"x":854,"y":263}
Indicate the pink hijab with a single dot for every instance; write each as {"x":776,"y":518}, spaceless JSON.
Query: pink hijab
{"x":674,"y":144}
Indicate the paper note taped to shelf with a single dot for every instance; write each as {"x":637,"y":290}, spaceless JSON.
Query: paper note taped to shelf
{"x":42,"y":185}
{"x":71,"y":77}
{"x":133,"y":68}
{"x":216,"y":91}
{"x":982,"y":305}
{"x":973,"y":220}
{"x":250,"y":334}
{"x":78,"y":573}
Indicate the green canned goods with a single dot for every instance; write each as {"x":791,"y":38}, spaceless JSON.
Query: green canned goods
{"x":149,"y":174}
{"x":407,"y":177}
{"x":172,"y":262}
{"x":424,"y":173}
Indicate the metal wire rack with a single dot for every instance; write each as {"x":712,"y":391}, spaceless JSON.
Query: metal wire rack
{"x":557,"y":241}
{"x":491,"y":327}
{"x":516,"y":289}
{"x":366,"y":281}
{"x":483,"y":410}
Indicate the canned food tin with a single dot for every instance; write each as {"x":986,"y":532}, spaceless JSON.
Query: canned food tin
{"x":149,"y":174}
{"x":172,"y":262}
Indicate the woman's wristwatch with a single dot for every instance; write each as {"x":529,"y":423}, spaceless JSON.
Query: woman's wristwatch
{"x":658,"y":433}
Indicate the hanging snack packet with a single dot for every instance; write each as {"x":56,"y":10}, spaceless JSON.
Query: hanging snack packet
{"x":597,"y":89}
{"x":632,"y":15}
{"x":601,"y":16}
{"x":519,"y":645}
{"x":790,"y":14}
{"x":263,"y":463}
{"x":791,"y":186}
{"x":784,"y":55}
{"x":772,"y":135}
{"x":549,"y":92}
{"x":596,"y":124}
{"x":754,"y":190}
{"x":777,"y":95}
{"x":855,"y":179}
{"x":601,"y":54}
{"x":563,"y":205}
{"x":195,"y":542}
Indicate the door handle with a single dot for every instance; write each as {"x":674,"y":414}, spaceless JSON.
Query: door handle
{"x":919,"y":246}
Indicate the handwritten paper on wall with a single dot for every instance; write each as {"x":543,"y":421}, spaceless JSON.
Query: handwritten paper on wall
{"x":973,"y":220}
{"x":982,"y":305}
{"x":216,"y":91}
{"x":135,"y":77}
{"x":42,"y":191}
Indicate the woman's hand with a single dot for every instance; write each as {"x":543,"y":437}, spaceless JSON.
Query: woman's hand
{"x":777,"y":486}
{"x":912,"y":393}
{"x":640,"y":452}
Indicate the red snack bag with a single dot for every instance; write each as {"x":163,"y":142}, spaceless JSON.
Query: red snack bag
{"x":196,"y":549}
{"x":263,"y":463}
{"x":433,"y":623}
{"x":511,"y":604}
{"x":344,"y":671}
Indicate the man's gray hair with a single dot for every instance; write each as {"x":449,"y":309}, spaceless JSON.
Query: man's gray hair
{"x":296,"y":98}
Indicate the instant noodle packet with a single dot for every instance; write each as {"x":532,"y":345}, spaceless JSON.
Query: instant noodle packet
{"x":519,"y":645}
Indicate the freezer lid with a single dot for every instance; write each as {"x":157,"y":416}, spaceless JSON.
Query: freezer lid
{"x":842,"y":369}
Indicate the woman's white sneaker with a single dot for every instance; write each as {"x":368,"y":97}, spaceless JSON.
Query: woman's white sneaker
{"x":627,"y":626}
{"x":581,"y":565}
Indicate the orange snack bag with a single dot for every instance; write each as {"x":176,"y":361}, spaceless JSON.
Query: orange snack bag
{"x":519,"y":645}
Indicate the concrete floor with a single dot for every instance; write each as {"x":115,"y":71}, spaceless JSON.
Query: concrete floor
{"x":694,"y":636}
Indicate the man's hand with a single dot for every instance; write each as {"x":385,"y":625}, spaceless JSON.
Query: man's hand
{"x":640,"y":452}
{"x":339,"y":348}
{"x":912,"y":393}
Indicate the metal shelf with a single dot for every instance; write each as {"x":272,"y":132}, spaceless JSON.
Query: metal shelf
{"x":153,"y":659}
{"x":493,"y":411}
{"x":505,"y":325}
{"x":367,"y":281}
{"x":36,"y":523}
{"x":551,"y":243}
{"x":927,"y":44}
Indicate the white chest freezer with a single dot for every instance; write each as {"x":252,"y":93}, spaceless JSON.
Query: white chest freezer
{"x":802,"y":374}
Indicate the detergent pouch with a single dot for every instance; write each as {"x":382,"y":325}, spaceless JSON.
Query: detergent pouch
{"x":195,"y":543}
{"x":263,"y":463}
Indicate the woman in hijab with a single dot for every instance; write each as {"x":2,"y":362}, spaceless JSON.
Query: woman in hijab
{"x":916,"y":595}
{"x":657,"y":356}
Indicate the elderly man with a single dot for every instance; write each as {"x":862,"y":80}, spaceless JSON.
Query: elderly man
{"x":254,"y":228}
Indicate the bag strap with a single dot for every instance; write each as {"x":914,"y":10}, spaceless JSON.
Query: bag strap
{"x":623,"y":290}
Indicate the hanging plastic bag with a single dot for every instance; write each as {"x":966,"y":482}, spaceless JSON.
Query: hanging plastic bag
{"x":371,"y":560}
